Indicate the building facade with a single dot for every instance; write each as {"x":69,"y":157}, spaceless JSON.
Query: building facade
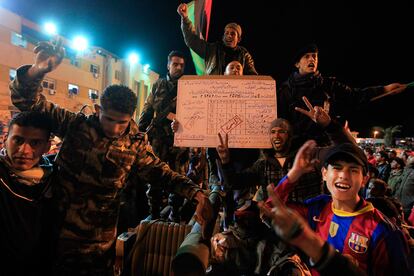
{"x":78,"y":81}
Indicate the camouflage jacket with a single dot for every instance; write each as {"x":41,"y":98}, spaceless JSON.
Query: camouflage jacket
{"x":159,"y":103}
{"x":92,"y":169}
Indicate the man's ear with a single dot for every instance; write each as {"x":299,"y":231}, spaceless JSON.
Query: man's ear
{"x":324,"y":172}
{"x":6,"y":136}
{"x":297,"y":65}
{"x":5,"y":139}
{"x":97,"y":108}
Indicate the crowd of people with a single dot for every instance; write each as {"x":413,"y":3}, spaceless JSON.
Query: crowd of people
{"x":315,"y":203}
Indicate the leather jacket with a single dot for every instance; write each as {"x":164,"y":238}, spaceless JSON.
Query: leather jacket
{"x":214,"y":53}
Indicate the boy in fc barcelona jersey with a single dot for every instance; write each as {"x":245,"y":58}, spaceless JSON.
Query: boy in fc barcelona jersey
{"x":349,"y":223}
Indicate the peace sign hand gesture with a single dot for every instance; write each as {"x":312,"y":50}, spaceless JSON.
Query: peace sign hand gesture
{"x":223,"y":149}
{"x":315,"y":113}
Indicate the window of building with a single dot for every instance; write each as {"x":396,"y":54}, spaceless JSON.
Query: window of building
{"x":145,"y":91}
{"x":73,"y":89}
{"x":18,"y":40}
{"x":12,"y":74}
{"x":118,"y":75}
{"x":48,"y":84}
{"x":94,"y":69}
{"x":75,"y":62}
{"x":93,"y":94}
{"x":137,"y":87}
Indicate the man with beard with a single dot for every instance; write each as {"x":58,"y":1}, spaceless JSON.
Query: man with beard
{"x":267,"y":171}
{"x":335,"y":97}
{"x":217,"y":54}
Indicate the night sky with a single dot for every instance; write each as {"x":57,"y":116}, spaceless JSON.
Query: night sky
{"x":360,"y":45}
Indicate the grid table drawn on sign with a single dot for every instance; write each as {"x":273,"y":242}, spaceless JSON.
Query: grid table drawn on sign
{"x":227,"y":116}
{"x":236,"y":117}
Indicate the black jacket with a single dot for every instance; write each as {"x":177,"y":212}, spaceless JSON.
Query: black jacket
{"x":327,"y":92}
{"x":28,"y":228}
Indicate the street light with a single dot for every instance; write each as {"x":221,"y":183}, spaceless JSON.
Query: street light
{"x":50,"y":28}
{"x":376,"y":133}
{"x":133,"y":58}
{"x":80,"y":43}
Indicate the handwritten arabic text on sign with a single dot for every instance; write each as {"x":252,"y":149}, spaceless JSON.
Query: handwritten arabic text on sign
{"x":241,"y":106}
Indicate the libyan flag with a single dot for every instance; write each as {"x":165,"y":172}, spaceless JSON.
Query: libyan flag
{"x":199,"y":12}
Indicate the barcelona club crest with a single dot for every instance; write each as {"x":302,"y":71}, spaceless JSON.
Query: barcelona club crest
{"x":358,"y":243}
{"x":333,"y":229}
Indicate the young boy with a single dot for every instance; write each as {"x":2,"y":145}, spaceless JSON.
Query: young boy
{"x":344,"y":219}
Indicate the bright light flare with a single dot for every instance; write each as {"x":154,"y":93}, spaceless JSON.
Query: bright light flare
{"x":50,"y":28}
{"x":80,"y":43}
{"x":133,"y":58}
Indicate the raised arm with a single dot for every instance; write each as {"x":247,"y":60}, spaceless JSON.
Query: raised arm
{"x":337,"y":134}
{"x":223,"y":149}
{"x":391,"y":89}
{"x":315,"y":113}
{"x":49,"y":56}
{"x":26,"y":89}
{"x":191,"y":39}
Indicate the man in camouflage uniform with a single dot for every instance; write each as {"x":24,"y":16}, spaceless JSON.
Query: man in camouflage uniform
{"x":155,"y":119}
{"x":98,"y":154}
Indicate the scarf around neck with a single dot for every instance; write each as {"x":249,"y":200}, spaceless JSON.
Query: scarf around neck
{"x":29,"y":177}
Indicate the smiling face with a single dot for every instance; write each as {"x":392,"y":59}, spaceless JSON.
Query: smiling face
{"x":308,"y":63}
{"x":25,"y":146}
{"x":230,"y":37}
{"x":344,"y":180}
{"x":279,"y":137}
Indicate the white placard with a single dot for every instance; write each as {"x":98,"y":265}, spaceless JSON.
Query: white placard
{"x":242,"y":106}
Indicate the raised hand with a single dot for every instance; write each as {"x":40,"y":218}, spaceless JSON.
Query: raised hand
{"x":292,"y":228}
{"x":48,"y":57}
{"x":316,"y":114}
{"x":204,"y":211}
{"x":286,"y":222}
{"x":183,"y":10}
{"x":394,"y":88}
{"x":391,"y":89}
{"x":304,"y":161}
{"x":223,"y":149}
